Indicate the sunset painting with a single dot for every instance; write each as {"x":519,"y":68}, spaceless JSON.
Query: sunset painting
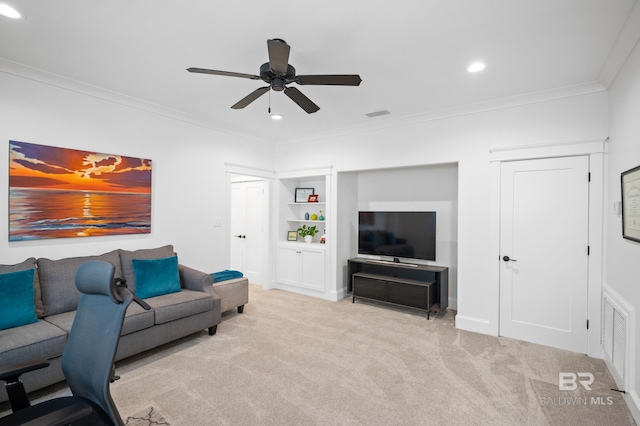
{"x":61,"y":193}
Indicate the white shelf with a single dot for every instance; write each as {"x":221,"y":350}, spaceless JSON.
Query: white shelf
{"x":305,"y":221}
{"x":306,"y":203}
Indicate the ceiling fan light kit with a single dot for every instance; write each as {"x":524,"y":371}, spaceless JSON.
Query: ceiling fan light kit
{"x":278,"y":74}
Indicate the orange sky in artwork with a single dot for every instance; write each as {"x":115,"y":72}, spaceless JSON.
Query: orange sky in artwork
{"x":46,"y":167}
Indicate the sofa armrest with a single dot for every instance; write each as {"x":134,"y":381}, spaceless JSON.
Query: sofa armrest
{"x":192,"y":279}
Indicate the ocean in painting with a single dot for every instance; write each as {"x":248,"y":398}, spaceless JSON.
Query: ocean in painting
{"x":47,"y":213}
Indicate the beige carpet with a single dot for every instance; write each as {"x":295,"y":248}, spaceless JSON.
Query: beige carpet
{"x":296,"y":360}
{"x":147,"y":417}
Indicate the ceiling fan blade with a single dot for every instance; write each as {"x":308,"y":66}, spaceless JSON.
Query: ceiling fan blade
{"x":251,"y":97}
{"x":226,"y":73}
{"x":278,"y":55}
{"x":298,"y":97}
{"x":329,"y":80}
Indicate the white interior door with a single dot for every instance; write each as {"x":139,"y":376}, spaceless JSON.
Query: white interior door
{"x":544,"y":242}
{"x":247,"y":232}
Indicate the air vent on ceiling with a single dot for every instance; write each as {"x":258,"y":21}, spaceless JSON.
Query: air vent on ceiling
{"x":377,"y":113}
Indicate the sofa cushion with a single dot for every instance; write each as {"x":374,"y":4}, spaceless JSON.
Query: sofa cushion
{"x":16,"y":304}
{"x":127,"y":257}
{"x":155,"y":277}
{"x":58,"y":280}
{"x":63,"y":321}
{"x":170,"y":307}
{"x":136,"y":318}
{"x":28,"y":264}
{"x":39,"y":340}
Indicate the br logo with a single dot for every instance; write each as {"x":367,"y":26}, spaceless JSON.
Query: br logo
{"x":569,"y":381}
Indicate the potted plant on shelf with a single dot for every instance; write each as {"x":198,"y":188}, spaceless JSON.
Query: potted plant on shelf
{"x":308,"y":232}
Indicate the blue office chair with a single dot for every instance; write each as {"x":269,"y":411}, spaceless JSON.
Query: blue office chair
{"x":87,"y":360}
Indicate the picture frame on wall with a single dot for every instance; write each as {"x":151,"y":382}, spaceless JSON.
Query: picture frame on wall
{"x":57,"y":192}
{"x":292,"y":236}
{"x":630,"y":185}
{"x":302,"y":194}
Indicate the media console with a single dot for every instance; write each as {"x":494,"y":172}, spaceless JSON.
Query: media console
{"x":416,"y":286}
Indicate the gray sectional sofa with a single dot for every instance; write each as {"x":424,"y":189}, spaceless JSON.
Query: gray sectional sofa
{"x":196,"y":306}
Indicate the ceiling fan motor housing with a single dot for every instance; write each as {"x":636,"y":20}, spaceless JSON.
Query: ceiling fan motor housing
{"x":277,"y":80}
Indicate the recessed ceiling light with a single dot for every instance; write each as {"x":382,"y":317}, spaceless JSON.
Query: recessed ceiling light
{"x":476,"y":67}
{"x":10,"y":12}
{"x":276,"y":117}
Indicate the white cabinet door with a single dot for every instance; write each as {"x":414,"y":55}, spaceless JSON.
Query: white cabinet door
{"x":312,"y":269}
{"x":288,"y":268}
{"x":301,"y":267}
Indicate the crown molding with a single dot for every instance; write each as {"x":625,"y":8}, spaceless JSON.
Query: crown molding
{"x":34,"y":74}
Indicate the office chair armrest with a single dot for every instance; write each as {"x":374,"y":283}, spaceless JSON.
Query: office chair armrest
{"x":11,"y":373}
{"x":15,"y":389}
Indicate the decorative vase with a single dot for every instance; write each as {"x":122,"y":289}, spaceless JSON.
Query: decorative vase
{"x":308,"y":238}
{"x":314,"y":217}
{"x":321,"y":217}
{"x":306,"y":216}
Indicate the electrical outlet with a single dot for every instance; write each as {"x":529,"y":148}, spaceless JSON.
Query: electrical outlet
{"x":217,"y":222}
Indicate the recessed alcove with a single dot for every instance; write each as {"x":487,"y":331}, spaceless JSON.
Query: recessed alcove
{"x":431,"y":187}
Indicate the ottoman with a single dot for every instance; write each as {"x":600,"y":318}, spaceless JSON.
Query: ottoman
{"x":233,"y":293}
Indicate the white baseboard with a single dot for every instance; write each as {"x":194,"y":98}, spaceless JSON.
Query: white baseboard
{"x":633,"y":402}
{"x":477,"y":325}
{"x":330,"y":296}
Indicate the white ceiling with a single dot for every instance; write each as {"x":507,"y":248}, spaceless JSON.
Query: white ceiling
{"x":411,"y":54}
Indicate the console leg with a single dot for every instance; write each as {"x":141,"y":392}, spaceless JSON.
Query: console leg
{"x":240,"y":309}
{"x":212,"y":330}
{"x":353,"y":300}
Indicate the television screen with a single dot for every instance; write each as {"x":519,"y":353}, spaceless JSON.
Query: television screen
{"x":397,"y":234}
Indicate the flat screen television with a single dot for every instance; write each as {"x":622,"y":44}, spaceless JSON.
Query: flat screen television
{"x":410,"y":235}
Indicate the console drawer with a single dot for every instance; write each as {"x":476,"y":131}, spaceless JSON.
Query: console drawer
{"x":369,"y":287}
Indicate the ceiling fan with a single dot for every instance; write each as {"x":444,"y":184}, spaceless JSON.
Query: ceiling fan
{"x":278,"y":73}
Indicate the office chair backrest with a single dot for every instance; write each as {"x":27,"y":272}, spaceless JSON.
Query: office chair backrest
{"x":88,"y":357}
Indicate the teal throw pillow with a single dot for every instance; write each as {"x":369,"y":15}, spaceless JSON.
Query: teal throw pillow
{"x":16,"y":304}
{"x":156,"y":277}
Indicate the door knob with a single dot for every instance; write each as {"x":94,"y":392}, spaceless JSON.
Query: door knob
{"x":507,"y":259}
{"x":240,"y":236}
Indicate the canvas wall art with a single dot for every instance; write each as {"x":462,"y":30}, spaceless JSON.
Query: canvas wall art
{"x":62,"y":193}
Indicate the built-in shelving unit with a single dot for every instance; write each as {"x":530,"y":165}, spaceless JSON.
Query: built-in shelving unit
{"x":301,"y":266}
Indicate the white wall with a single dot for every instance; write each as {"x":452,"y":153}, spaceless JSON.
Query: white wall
{"x":465,"y":139}
{"x":622,"y":256}
{"x":189,"y":182}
